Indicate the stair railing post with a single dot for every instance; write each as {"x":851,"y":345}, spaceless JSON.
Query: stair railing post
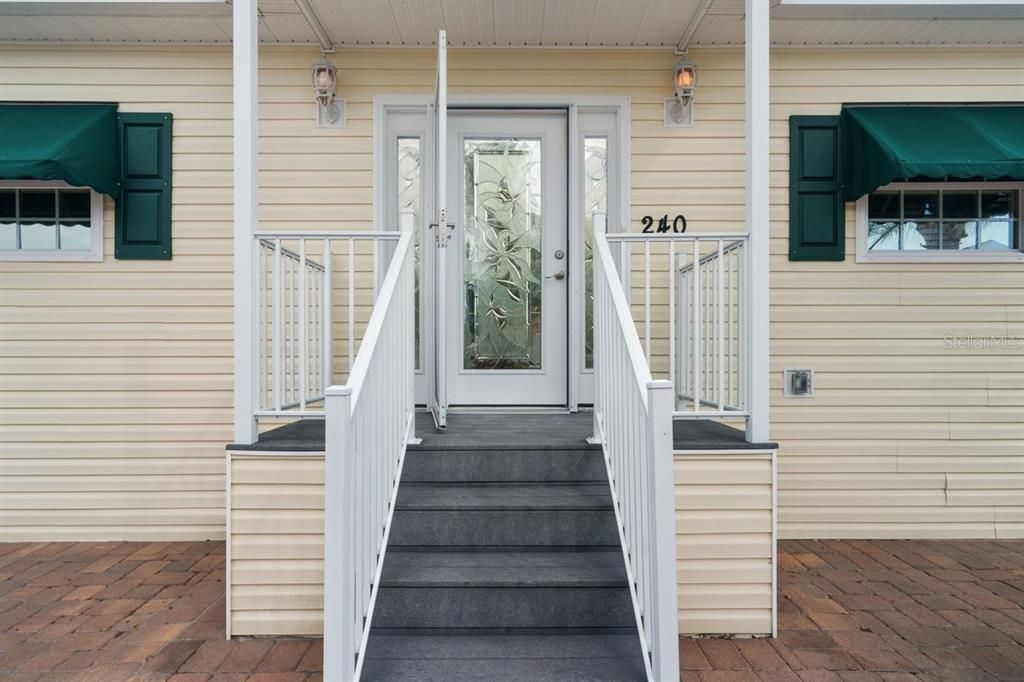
{"x":407,"y":223}
{"x":664,"y":642}
{"x":339,"y":536}
{"x":598,"y":318}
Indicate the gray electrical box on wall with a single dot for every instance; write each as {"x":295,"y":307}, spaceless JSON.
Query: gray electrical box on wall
{"x":798,"y":383}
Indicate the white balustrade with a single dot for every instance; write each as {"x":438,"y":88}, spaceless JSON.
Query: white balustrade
{"x":687,"y":292}
{"x":312,"y":287}
{"x":369,"y":422}
{"x":633,"y":422}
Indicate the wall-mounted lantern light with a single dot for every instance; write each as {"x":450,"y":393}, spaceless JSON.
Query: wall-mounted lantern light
{"x":679,"y":108}
{"x":330,"y":110}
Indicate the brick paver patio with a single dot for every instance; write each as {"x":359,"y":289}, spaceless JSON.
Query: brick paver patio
{"x":848,"y":610}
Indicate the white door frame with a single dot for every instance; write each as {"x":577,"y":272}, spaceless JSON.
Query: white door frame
{"x":384,"y":187}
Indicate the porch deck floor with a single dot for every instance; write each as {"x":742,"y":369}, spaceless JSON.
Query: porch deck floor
{"x":848,"y":610}
{"x":502,"y":430}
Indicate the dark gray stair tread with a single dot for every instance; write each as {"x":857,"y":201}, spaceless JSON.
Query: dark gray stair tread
{"x":503,"y":528}
{"x":504,"y":465}
{"x":503,"y":607}
{"x":465,"y":657}
{"x":505,"y":670}
{"x":468,"y":644}
{"x":513,"y":497}
{"x":504,"y":569}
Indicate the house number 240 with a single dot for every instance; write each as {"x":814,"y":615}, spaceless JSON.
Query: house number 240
{"x":678,"y":225}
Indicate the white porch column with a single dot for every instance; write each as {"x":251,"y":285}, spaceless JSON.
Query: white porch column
{"x":245,"y":46}
{"x":757,"y":96}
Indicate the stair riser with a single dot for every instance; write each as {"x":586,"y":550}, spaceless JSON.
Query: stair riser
{"x":490,"y":607}
{"x":527,"y":466}
{"x":503,"y":528}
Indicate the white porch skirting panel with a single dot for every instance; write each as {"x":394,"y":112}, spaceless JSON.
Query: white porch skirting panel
{"x":725,"y":542}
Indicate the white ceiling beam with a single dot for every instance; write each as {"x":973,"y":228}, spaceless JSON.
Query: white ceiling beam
{"x":324,"y":38}
{"x":692,"y":25}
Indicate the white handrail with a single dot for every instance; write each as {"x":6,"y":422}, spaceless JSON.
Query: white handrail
{"x":370,"y":421}
{"x":633,"y":422}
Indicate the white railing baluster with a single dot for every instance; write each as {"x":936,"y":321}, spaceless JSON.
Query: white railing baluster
{"x":278,"y":327}
{"x":720,"y":334}
{"x":303,"y":351}
{"x":698,"y":327}
{"x":328,"y":322}
{"x":672,"y":314}
{"x":647,"y":298}
{"x":264,"y":302}
{"x":729,"y":397}
{"x":351,"y":303}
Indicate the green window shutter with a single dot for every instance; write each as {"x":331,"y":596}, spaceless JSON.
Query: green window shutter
{"x":143,"y":218}
{"x":817,"y":220}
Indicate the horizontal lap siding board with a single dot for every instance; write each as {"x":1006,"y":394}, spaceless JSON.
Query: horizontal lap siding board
{"x":277,"y":523}
{"x":724,"y":543}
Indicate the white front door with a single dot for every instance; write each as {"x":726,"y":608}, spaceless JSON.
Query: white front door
{"x":507,"y":263}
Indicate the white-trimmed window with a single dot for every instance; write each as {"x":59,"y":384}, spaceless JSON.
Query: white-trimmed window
{"x":941,"y":221}
{"x":49,"y":220}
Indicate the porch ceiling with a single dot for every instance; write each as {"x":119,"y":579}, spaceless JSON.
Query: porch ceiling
{"x":518,"y":23}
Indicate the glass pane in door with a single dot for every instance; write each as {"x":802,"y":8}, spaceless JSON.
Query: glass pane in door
{"x":410,"y":198}
{"x":502,"y":267}
{"x":595,"y":199}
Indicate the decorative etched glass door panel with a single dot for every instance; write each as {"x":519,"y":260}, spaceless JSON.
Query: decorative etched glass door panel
{"x":508,"y":291}
{"x":502,"y":251}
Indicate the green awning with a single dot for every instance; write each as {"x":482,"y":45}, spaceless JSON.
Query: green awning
{"x":76,"y":143}
{"x":884,"y":144}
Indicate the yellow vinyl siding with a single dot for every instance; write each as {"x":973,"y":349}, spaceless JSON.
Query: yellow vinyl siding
{"x":109,"y":367}
{"x":724,"y":542}
{"x":277,"y":545}
{"x":904,"y":438}
{"x":115,"y":377}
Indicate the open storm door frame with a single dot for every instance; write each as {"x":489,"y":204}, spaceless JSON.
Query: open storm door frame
{"x":437,"y":387}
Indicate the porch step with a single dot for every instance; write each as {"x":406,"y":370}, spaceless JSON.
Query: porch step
{"x":502,"y":515}
{"x":504,"y":657}
{"x":504,"y":565}
{"x":520,"y":466}
{"x":504,"y":568}
{"x":510,"y":589}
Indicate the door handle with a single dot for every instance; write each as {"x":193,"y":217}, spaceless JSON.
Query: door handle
{"x":560,"y":275}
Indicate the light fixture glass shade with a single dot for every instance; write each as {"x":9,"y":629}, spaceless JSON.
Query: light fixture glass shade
{"x":324,"y":79}
{"x":684,"y":79}
{"x":325,"y":82}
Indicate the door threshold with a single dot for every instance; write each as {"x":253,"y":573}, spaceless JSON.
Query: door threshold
{"x":501,"y":409}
